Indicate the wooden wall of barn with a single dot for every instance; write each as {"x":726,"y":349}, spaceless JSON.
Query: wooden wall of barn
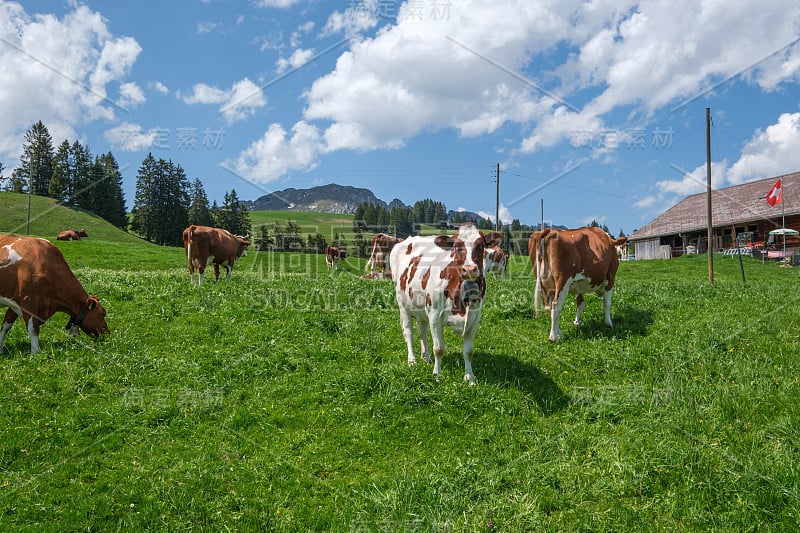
{"x":652,"y":249}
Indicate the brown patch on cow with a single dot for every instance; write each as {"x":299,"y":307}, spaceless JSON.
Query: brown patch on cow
{"x":408,"y":250}
{"x":425,"y":279}
{"x":428,"y":301}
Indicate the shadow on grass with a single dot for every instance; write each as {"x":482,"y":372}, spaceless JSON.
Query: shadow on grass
{"x":509,"y":372}
{"x":629,"y":321}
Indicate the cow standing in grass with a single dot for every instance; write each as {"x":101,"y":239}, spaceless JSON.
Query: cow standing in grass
{"x":332,"y":256}
{"x":439,"y":281}
{"x":573,"y":261}
{"x":205,"y":245}
{"x":36,"y":282}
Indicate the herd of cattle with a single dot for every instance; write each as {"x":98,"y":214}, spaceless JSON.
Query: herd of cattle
{"x":438,"y":280}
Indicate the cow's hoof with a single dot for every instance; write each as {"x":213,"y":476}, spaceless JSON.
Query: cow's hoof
{"x":469,"y":378}
{"x":412,"y":361}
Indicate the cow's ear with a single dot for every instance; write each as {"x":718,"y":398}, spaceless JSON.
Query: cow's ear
{"x":444,"y":241}
{"x":493,"y":239}
{"x":92,"y":302}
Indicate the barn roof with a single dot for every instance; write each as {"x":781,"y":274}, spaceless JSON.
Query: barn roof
{"x":731,"y":205}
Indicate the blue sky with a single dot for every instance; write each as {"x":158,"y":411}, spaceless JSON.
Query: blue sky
{"x":595,"y":107}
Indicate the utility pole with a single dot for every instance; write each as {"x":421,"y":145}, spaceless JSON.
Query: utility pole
{"x":497,"y":200}
{"x":708,"y":198}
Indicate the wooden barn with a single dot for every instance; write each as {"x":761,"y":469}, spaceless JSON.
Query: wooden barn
{"x":741,"y":217}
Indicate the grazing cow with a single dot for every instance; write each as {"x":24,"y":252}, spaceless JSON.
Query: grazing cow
{"x":36,"y":283}
{"x":205,"y":245}
{"x":573,"y":261}
{"x":68,"y":235}
{"x":438,"y":281}
{"x":332,"y":256}
{"x":381,"y":246}
{"x":495,"y":260}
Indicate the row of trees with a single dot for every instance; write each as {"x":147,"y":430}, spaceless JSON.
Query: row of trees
{"x":166,"y":202}
{"x":70,"y":175}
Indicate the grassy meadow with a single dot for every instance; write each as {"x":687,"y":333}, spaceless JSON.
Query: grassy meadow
{"x":281,"y":400}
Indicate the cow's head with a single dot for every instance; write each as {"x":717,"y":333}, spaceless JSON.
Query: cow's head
{"x":82,"y":233}
{"x":91,"y":319}
{"x":467,"y":247}
{"x":242,"y":243}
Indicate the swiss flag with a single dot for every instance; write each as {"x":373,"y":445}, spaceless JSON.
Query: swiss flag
{"x":775,"y":194}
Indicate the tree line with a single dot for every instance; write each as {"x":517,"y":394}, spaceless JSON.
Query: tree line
{"x":165,"y":203}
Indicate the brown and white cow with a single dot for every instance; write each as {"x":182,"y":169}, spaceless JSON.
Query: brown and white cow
{"x":438,"y":281}
{"x":573,"y":261}
{"x":380,"y":248}
{"x":68,"y":235}
{"x":205,"y":246}
{"x":332,"y":256}
{"x":495,"y":260}
{"x":36,"y":283}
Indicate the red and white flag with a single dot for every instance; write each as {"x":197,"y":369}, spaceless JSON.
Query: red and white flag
{"x":775,"y":194}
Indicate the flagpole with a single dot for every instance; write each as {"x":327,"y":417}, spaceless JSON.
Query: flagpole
{"x":783,"y":219}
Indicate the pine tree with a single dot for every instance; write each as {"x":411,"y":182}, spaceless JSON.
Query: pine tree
{"x":161,"y":208}
{"x":108,"y":197}
{"x":60,"y":179}
{"x":81,"y":171}
{"x":37,"y":158}
{"x":233,"y":215}
{"x":199,"y":210}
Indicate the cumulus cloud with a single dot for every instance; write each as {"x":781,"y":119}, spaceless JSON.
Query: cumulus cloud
{"x":130,"y":95}
{"x":158,"y":86}
{"x":556,"y":70}
{"x":130,"y":137}
{"x":505,"y":215}
{"x":278,"y":152}
{"x":282,"y":4}
{"x":239,"y":102}
{"x":298,"y":58}
{"x":771,"y":152}
{"x":60,"y":68}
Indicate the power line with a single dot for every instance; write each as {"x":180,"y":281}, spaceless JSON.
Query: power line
{"x":584,"y":189}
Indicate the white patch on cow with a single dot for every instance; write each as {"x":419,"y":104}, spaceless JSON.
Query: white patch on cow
{"x":13,"y":256}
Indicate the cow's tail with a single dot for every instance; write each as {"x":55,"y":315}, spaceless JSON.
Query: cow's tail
{"x":540,"y":273}
{"x":370,"y":266}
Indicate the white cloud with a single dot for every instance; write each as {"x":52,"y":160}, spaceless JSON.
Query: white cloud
{"x":298,"y":58}
{"x":239,"y":102}
{"x":302,"y":30}
{"x":205,"y":26}
{"x":771,"y":152}
{"x":505,"y":215}
{"x":130,"y":95}
{"x":59,"y":69}
{"x":130,"y":137}
{"x":158,"y":86}
{"x":277,"y":153}
{"x":282,"y":4}
{"x":362,"y":16}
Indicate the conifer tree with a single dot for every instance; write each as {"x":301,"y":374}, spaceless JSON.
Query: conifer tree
{"x":199,"y":210}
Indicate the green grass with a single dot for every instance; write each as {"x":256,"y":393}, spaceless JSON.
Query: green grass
{"x":326,"y":224}
{"x":281,"y":400}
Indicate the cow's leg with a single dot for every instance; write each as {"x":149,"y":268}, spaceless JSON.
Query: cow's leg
{"x":229,"y":268}
{"x":406,"y":321}
{"x":467,"y":350}
{"x":8,"y":321}
{"x":422,"y":329}
{"x":437,"y":333}
{"x":580,"y":301}
{"x":33,"y":333}
{"x":607,"y":307}
{"x":555,"y":312}
{"x":216,"y":272}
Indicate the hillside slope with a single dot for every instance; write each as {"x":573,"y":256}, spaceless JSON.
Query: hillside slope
{"x":48,"y":218}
